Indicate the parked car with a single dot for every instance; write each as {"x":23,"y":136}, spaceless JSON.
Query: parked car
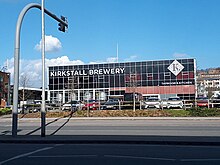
{"x":215,"y":101}
{"x":111,"y":104}
{"x":172,"y":102}
{"x":91,"y":104}
{"x":152,"y":102}
{"x":202,"y":102}
{"x":75,"y":105}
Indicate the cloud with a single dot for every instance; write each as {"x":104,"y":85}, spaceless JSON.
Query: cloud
{"x":33,"y":68}
{"x":108,"y":60}
{"x":52,"y":44}
{"x":180,"y":55}
{"x":131,"y":58}
{"x":64,"y":60}
{"x":115,"y":60}
{"x":111,"y":59}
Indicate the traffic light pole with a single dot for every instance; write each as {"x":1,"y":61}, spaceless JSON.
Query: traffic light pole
{"x":17,"y":59}
{"x":43,"y":105}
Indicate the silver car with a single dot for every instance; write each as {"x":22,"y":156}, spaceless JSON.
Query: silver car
{"x":152,"y":102}
{"x":172,"y":102}
{"x":73,"y":105}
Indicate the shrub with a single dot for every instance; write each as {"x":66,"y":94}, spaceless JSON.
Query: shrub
{"x":5,"y":111}
{"x":204,"y":112}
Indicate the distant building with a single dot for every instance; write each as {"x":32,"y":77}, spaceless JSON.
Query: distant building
{"x":29,"y":95}
{"x":4,"y":89}
{"x":208,"y":81}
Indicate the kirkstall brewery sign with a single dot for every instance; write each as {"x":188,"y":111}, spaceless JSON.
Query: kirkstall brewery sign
{"x":86,"y":72}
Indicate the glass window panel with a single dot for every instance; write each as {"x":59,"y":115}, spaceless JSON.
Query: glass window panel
{"x":191,"y":67}
{"x":138,"y":69}
{"x":55,"y":80}
{"x":149,"y":69}
{"x":161,"y":68}
{"x":144,"y":77}
{"x":51,"y":81}
{"x":155,"y":69}
{"x":144,"y":69}
{"x":155,"y":83}
{"x":116,"y":81}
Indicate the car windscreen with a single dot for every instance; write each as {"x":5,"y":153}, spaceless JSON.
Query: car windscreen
{"x":153,"y":99}
{"x":174,"y":98}
{"x":202,"y":98}
{"x":92,"y":101}
{"x":74,"y":102}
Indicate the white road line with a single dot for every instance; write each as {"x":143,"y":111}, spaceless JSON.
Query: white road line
{"x":198,"y":160}
{"x":138,"y":157}
{"x":26,"y":154}
{"x":61,"y":156}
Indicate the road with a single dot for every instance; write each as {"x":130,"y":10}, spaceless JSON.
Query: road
{"x":157,"y":127}
{"x":112,"y":141}
{"x":99,"y":154}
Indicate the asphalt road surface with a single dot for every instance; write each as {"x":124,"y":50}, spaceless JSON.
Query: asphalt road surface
{"x":67,"y":126}
{"x":108,"y":154}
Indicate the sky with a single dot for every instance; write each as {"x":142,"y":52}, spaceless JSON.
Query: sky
{"x":143,"y":29}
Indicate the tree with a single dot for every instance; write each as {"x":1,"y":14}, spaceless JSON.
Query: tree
{"x":71,"y":85}
{"x":24,"y":82}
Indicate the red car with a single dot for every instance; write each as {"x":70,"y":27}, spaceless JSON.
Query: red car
{"x":202,"y":102}
{"x":92,"y":105}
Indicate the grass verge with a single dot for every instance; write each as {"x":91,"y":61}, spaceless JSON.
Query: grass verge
{"x":130,"y":113}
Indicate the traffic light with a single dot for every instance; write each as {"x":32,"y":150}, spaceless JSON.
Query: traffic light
{"x":62,"y":27}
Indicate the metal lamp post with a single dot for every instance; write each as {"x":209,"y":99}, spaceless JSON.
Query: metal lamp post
{"x":43,"y":106}
{"x":63,"y":24}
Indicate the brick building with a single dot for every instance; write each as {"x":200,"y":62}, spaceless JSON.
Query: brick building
{"x":4,"y":88}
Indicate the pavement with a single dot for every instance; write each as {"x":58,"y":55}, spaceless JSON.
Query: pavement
{"x":6,"y":137}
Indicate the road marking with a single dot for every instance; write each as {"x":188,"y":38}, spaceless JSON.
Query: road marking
{"x":198,"y":160}
{"x":26,"y":154}
{"x":138,"y":157}
{"x":57,"y":145}
{"x":61,"y":156}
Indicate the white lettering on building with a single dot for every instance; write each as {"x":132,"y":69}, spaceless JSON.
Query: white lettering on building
{"x":64,"y":73}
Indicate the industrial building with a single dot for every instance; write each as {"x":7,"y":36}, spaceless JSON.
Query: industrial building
{"x":163,"y":78}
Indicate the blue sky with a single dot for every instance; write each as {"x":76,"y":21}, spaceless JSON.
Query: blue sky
{"x":143,"y":29}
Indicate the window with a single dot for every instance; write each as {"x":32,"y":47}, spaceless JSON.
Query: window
{"x":185,"y":75}
{"x":150,"y":76}
{"x":167,"y":75}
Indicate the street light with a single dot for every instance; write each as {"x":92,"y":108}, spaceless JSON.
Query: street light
{"x":17,"y":59}
{"x":43,"y":106}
